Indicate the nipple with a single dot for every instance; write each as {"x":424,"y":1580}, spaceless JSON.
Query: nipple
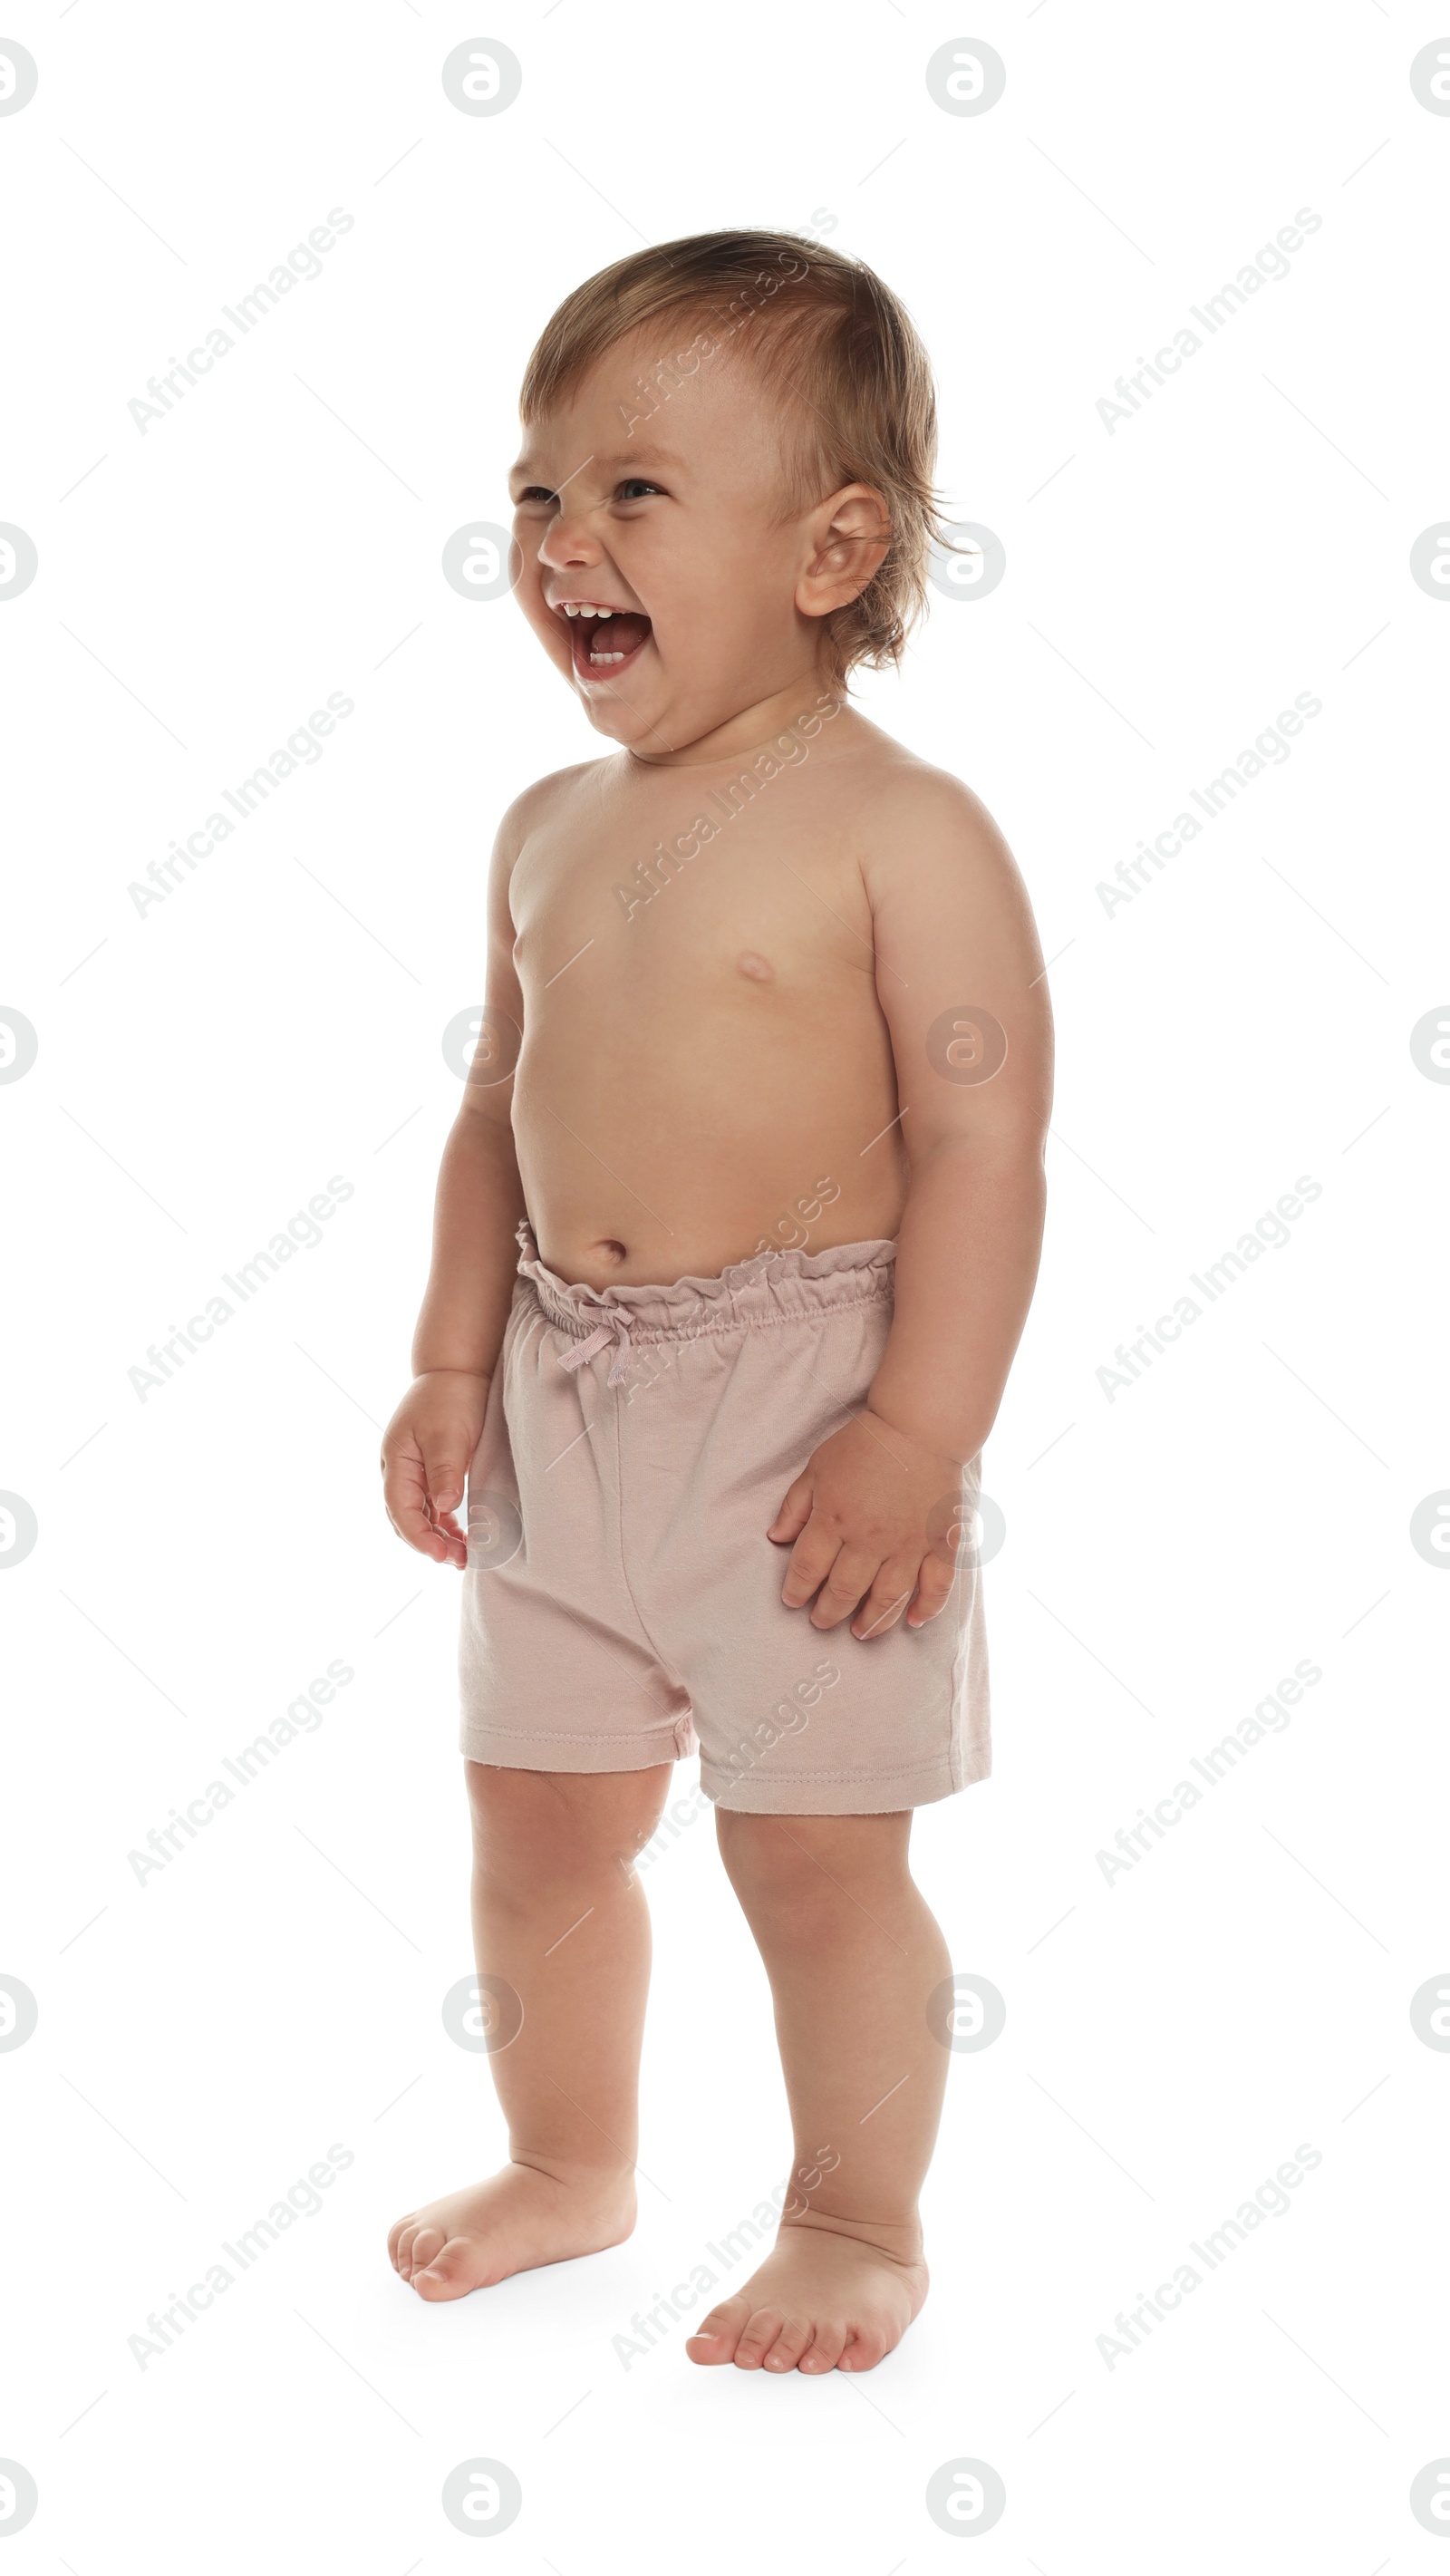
{"x":758,"y":968}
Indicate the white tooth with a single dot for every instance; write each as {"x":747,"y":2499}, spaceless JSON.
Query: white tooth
{"x":604,"y":612}
{"x":585,"y":609}
{"x":568,"y":611}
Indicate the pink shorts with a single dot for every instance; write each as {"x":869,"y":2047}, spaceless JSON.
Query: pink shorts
{"x":622,"y":1603}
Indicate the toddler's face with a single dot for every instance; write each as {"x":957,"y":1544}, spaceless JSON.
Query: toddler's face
{"x":671,"y":523}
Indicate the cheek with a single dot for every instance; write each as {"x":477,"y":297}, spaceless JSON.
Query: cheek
{"x":528,"y":598}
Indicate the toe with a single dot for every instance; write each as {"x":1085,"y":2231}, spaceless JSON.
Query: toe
{"x":406,"y":2240}
{"x":868,"y":2345}
{"x":716,"y":2337}
{"x":827,"y":2346}
{"x":789,"y":2344}
{"x":396,"y":2233}
{"x":761,"y":2329}
{"x":451,"y":2272}
{"x":422,"y":2245}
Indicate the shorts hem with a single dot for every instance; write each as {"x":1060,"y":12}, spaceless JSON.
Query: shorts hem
{"x":506,"y":1748}
{"x":846,"y":1793}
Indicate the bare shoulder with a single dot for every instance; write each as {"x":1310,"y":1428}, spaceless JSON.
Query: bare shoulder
{"x":957,"y":952}
{"x":536,"y":805}
{"x":530,"y":812}
{"x":920,"y":829}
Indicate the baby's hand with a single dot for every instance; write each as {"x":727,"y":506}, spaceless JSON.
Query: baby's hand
{"x":858,"y":1517}
{"x":427,"y":1448}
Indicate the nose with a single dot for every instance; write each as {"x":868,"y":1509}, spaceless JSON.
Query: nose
{"x":569,"y":543}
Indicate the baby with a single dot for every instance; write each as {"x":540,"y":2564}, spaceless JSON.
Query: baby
{"x":736,"y":1234}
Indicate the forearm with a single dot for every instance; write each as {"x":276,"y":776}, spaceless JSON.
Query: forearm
{"x":967,"y":1255}
{"x":479,"y":1204}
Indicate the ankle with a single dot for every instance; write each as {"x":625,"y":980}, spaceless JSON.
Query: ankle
{"x":898,"y":2239}
{"x":611,"y":2185}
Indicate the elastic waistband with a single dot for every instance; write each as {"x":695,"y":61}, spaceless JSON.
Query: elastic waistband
{"x":772,"y":1288}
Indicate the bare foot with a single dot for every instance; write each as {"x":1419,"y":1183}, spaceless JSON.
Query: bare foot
{"x":820,"y":2301}
{"x":516,"y":2220}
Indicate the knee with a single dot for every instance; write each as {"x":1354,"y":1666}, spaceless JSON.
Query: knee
{"x":807,"y":1872}
{"x":536,"y":1829}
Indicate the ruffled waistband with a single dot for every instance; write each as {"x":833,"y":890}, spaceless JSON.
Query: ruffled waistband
{"x":771,"y":1288}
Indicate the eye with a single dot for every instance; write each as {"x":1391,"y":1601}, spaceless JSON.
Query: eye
{"x":536,"y":496}
{"x":635,"y":488}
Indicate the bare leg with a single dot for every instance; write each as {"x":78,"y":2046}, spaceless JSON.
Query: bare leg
{"x":560,"y":1921}
{"x":853,"y":1953}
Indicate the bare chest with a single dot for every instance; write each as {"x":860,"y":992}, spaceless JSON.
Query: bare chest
{"x":743,"y":887}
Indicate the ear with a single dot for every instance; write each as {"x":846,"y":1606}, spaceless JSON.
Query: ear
{"x":848,"y":537}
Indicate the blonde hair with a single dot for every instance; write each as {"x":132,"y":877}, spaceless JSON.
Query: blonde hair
{"x":831,"y":336}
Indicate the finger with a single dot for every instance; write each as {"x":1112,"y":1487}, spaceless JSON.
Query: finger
{"x":793,"y":1514}
{"x":405,"y":1500}
{"x":445,"y":1526}
{"x":848,"y":1582}
{"x":446,"y":1468}
{"x":811,"y":1559}
{"x":887,"y":1599}
{"x":455,"y":1543}
{"x":934,"y":1591}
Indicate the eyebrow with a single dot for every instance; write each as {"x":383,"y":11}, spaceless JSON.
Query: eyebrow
{"x":641,"y":456}
{"x":637,"y":456}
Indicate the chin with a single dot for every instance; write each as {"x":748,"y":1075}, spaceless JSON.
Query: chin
{"x":620,"y":722}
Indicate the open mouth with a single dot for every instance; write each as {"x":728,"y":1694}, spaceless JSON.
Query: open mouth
{"x":603,"y":641}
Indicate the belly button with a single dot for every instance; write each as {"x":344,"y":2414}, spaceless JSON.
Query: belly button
{"x":758,"y":968}
{"x":610,"y":1249}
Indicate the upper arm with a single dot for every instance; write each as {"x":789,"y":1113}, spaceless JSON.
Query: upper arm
{"x":488,"y":1091}
{"x":959,"y":971}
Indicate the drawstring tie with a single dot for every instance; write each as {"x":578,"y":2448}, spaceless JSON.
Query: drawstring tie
{"x":617,"y":1331}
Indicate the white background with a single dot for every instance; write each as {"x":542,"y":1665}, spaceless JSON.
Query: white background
{"x":203,"y":1070}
